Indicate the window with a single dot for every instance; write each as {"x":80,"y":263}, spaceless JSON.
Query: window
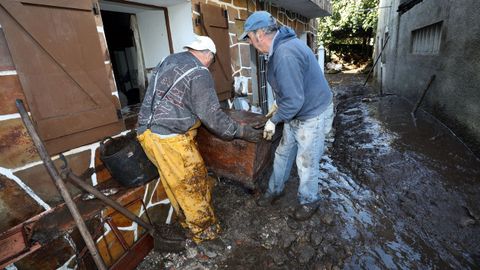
{"x":427,"y":40}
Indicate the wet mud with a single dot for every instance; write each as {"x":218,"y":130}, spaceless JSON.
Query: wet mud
{"x":396,"y":194}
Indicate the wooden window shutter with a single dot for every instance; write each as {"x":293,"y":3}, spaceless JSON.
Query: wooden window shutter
{"x":215,"y":25}
{"x":56,"y":49}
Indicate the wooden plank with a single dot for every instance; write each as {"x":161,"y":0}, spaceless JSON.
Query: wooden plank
{"x":134,"y":256}
{"x":215,"y":25}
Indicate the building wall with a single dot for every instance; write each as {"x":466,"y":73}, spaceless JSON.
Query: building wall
{"x":26,"y":189}
{"x":454,"y":96}
{"x":183,"y":33}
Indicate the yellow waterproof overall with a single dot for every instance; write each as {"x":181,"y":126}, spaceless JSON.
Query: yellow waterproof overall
{"x":185,"y":179}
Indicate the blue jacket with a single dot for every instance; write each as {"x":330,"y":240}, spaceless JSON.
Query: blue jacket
{"x":301,"y":90}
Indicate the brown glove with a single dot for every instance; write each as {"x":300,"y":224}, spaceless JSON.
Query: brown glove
{"x":248,"y":133}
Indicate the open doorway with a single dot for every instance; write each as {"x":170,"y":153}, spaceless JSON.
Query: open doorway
{"x":124,"y":53}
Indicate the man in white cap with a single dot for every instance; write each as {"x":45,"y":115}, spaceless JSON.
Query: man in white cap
{"x":180,"y":97}
{"x":304,"y":106}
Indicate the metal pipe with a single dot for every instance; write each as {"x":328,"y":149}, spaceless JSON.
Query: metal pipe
{"x":115,"y":205}
{"x":52,"y":170}
{"x":419,"y":101}
{"x":376,"y":61}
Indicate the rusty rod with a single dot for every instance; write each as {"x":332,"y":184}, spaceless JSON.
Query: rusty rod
{"x":52,"y":170}
{"x":419,"y":101}
{"x":117,"y":234}
{"x":376,"y":61}
{"x":115,"y":205}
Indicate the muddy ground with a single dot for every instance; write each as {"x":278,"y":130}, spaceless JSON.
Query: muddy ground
{"x":397,"y":194}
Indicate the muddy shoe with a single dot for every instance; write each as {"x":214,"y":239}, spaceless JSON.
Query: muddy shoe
{"x":305,"y":211}
{"x":268,"y":199}
{"x":169,"y":238}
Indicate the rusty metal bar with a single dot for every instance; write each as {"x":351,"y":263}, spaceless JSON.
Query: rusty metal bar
{"x":52,"y":170}
{"x":376,"y":61}
{"x":117,"y":234}
{"x":115,"y":205}
{"x":424,"y":92}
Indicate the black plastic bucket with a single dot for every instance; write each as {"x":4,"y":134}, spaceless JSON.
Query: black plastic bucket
{"x":126,"y":161}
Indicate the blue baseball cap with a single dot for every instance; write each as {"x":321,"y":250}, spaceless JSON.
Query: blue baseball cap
{"x":257,"y":20}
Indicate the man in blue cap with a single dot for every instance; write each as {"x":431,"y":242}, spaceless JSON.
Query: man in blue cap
{"x":305,"y":107}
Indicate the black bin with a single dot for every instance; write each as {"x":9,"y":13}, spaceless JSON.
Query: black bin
{"x":126,"y":161}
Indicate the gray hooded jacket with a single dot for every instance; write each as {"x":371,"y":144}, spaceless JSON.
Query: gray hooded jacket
{"x":192,"y":98}
{"x":301,"y":90}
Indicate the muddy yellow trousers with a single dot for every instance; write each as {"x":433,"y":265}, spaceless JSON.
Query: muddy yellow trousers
{"x":185,"y":179}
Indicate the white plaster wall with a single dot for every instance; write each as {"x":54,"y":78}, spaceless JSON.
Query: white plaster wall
{"x":181,"y":25}
{"x":153,"y":36}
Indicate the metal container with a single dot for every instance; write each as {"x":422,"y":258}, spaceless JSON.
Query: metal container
{"x":126,"y":161}
{"x":244,"y":162}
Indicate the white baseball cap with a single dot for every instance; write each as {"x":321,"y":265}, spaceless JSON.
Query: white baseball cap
{"x":202,"y":43}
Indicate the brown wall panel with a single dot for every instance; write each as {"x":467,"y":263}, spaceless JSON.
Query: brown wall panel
{"x":16,"y":146}
{"x":50,"y":257}
{"x":16,"y":206}
{"x":10,"y":89}
{"x":119,"y":219}
{"x":109,"y":247}
{"x":38,"y":179}
{"x":6,"y":62}
{"x":55,"y":146}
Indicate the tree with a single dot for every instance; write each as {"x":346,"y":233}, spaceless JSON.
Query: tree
{"x":351,"y":20}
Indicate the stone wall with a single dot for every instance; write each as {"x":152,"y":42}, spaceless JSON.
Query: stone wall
{"x":238,"y":12}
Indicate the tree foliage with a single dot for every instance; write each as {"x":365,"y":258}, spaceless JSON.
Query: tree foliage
{"x":350,"y":19}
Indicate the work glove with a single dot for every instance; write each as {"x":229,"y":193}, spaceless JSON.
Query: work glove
{"x":268,"y":130}
{"x":272,"y":110}
{"x":248,"y":133}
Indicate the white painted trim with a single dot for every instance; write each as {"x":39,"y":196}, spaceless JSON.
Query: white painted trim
{"x":69,"y":239}
{"x":8,"y":73}
{"x":65,"y":265}
{"x":170,"y":214}
{"x":11,"y":267}
{"x":10,"y":116}
{"x":92,"y":165}
{"x":9,"y":174}
{"x":223,"y":4}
